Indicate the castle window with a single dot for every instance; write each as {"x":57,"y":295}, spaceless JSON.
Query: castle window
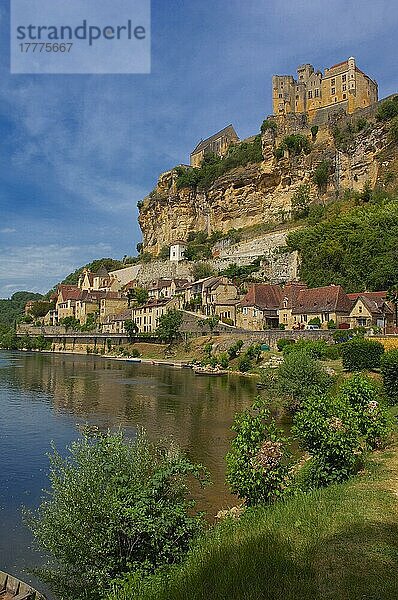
{"x":333,"y":91}
{"x":344,"y":77}
{"x":316,"y":93}
{"x":344,"y":87}
{"x":335,"y":99}
{"x":280,"y":95}
{"x":344,"y":96}
{"x":310,"y":94}
{"x":333,"y":82}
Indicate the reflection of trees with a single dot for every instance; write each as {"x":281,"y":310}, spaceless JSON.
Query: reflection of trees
{"x":196,"y":411}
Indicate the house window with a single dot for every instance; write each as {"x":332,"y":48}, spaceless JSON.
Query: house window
{"x":333,"y":91}
{"x":245,"y":310}
{"x":255,"y":312}
{"x":285,"y":317}
{"x":344,"y":96}
{"x":316,"y":93}
{"x":359,"y":308}
{"x":310,"y":94}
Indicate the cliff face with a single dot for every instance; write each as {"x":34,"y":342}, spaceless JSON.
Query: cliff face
{"x":262,"y":192}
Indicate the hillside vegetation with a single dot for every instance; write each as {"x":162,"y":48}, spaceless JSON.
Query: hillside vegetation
{"x":13,"y":308}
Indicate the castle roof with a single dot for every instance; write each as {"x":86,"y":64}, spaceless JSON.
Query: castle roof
{"x":203,"y":144}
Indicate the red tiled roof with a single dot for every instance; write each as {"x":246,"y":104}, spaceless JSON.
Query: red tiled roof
{"x":375,"y":302}
{"x":344,"y":62}
{"x":263,"y":295}
{"x":69,"y":292}
{"x":322,"y":299}
{"x":371,"y":295}
{"x":290,"y":293}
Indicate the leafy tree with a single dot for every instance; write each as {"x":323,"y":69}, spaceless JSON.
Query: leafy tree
{"x":40,"y":308}
{"x":359,"y":354}
{"x":257,"y":467}
{"x":299,"y":376}
{"x":114,"y":505}
{"x":389,"y":371}
{"x":169,"y":324}
{"x":314,"y":131}
{"x":268,"y":124}
{"x":295,"y":144}
{"x":201,"y":270}
{"x":138,"y":295}
{"x":321,"y":175}
{"x":131,"y":328}
{"x":301,"y":201}
{"x":13,"y":309}
{"x":388,"y":109}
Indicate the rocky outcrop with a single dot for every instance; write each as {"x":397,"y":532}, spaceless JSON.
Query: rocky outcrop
{"x":261,"y":193}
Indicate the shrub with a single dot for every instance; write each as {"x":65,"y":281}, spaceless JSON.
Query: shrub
{"x":234,"y":350}
{"x":388,"y":109}
{"x":114,"y":505}
{"x":363,"y":395}
{"x":342,"y":335}
{"x":393,"y":133}
{"x":360,"y":354}
{"x":254,"y":352}
{"x":300,"y":376}
{"x":389,"y":371}
{"x":328,"y":429}
{"x":314,"y":348}
{"x":135,"y":353}
{"x":314,"y":131}
{"x":315,"y":321}
{"x":268,"y":124}
{"x":282,"y":342}
{"x":331,"y":324}
{"x":244,"y":364}
{"x":223,"y":360}
{"x":301,"y":201}
{"x":256,"y":464}
{"x":295,"y":143}
{"x":321,"y":175}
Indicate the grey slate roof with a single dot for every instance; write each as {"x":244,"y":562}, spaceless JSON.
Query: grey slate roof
{"x":229,"y":130}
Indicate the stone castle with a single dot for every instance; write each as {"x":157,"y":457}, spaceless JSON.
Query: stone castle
{"x":343,"y":86}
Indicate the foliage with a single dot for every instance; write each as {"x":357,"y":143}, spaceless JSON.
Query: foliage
{"x":131,"y":328}
{"x":169,"y":324}
{"x":356,"y":249}
{"x":164,"y":253}
{"x":388,"y":109}
{"x":345,"y":136}
{"x":13,"y":309}
{"x":317,"y":349}
{"x":321,"y":175}
{"x":256,"y":464}
{"x":295,"y":144}
{"x":315,"y":321}
{"x":201,"y":270}
{"x":242,"y":273}
{"x":268,"y":124}
{"x":359,"y":354}
{"x":363,"y":395}
{"x":235,"y":349}
{"x":70,"y":323}
{"x":331,"y":324}
{"x":314,"y":131}
{"x":110,"y":264}
{"x":299,"y":376}
{"x":253,"y":352}
{"x":389,"y":371}
{"x":342,"y":335}
{"x":282,"y":342}
{"x":393,"y":133}
{"x":138,"y":295}
{"x":114,"y":505}
{"x":244,"y":364}
{"x":301,"y":201}
{"x":214,"y":166}
{"x":328,"y":429}
{"x":40,"y":308}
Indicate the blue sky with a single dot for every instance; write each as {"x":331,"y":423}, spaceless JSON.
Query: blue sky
{"x":78,"y":151}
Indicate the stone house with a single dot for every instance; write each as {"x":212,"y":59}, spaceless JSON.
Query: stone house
{"x":145,"y":316}
{"x":111,"y":306}
{"x":67,"y":295}
{"x":288,"y":302}
{"x":342,"y":86}
{"x":177,"y":250}
{"x":166,"y":288}
{"x":226,"y":311}
{"x":371,"y":308}
{"x":217,"y":144}
{"x":258,"y":309}
{"x":329,"y":303}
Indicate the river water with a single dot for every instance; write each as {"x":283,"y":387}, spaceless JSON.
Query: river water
{"x":45,"y":397}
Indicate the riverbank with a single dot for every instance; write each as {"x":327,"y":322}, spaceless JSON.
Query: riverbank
{"x":339,"y":543}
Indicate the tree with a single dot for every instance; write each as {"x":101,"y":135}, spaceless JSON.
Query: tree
{"x":138,"y":295}
{"x":321,"y":175}
{"x":115,"y":505}
{"x":392,"y":296}
{"x":256,"y":464}
{"x":169,"y":325}
{"x":40,"y":308}
{"x":301,"y":201}
{"x":200,"y":270}
{"x":131,"y":328}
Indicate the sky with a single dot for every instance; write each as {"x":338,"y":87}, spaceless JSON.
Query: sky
{"x":77,"y":152}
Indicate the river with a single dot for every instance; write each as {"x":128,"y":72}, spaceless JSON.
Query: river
{"x":45,"y":397}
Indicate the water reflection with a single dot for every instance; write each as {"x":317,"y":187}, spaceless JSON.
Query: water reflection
{"x":43,"y":397}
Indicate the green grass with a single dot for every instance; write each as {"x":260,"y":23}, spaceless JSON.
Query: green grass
{"x":339,"y":543}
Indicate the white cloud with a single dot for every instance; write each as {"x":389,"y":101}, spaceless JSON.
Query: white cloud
{"x":8,"y":230}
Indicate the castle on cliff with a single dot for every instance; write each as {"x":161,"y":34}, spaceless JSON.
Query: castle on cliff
{"x":343,"y":86}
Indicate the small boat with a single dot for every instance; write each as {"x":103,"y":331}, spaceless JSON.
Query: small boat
{"x":137,"y":360}
{"x":12,"y":588}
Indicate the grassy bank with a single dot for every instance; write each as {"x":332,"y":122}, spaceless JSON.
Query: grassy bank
{"x":337,"y":543}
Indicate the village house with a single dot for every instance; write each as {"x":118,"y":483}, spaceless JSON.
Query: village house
{"x":327,"y":304}
{"x":145,"y":317}
{"x":371,"y":309}
{"x":258,"y":309}
{"x":216,"y":144}
{"x":204,"y":294}
{"x":177,"y":250}
{"x":67,"y":295}
{"x":111,"y":305}
{"x":288,"y":302}
{"x":226,"y":311}
{"x":166,"y":288}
